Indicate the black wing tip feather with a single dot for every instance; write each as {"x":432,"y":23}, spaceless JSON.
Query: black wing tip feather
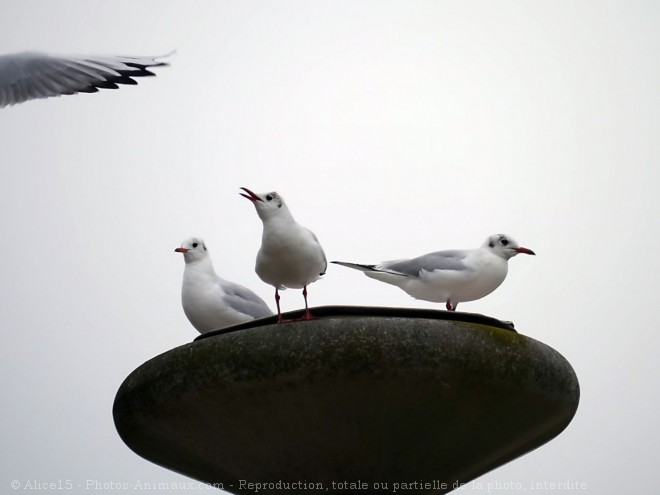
{"x":112,"y":82}
{"x":367,"y":268}
{"x":89,"y":89}
{"x":143,"y":67}
{"x":345,"y":263}
{"x":125,"y":76}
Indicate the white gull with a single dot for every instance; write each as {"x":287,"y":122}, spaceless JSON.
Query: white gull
{"x":452,"y":276}
{"x":290,"y":255}
{"x":209,"y":301}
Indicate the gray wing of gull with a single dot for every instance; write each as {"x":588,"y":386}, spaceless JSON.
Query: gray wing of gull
{"x":325,"y":268}
{"x":32,"y":75}
{"x":244,"y":300}
{"x":439,"y":260}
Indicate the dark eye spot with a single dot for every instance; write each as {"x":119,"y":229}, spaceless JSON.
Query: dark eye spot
{"x":504,"y":241}
{"x":269,"y":197}
{"x":194,"y":244}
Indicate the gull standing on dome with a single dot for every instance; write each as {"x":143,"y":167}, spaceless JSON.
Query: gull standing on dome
{"x":209,"y":301}
{"x":290,"y":255}
{"x":452,"y":276}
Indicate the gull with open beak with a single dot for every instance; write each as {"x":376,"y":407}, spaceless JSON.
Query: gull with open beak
{"x":290,"y":255}
{"x":451,"y":276}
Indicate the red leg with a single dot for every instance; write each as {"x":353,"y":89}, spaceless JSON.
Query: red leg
{"x":308,"y":315}
{"x":277,"y":303}
{"x":449,"y":306}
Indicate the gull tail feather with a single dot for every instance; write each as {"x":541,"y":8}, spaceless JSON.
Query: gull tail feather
{"x":365,"y":268}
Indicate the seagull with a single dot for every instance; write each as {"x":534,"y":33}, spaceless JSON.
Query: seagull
{"x":30,"y":75}
{"x":290,"y":255}
{"x":452,"y":276}
{"x":210,"y":302}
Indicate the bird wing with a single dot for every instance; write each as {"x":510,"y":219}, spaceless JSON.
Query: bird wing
{"x":31,"y":75}
{"x":325,"y":260}
{"x":356,"y":266}
{"x":245,"y":301}
{"x":453,"y":260}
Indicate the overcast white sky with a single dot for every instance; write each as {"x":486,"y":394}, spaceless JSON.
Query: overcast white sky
{"x":392,"y":128}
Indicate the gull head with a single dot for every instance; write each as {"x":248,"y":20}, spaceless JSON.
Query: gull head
{"x":193,"y":249}
{"x":266,"y":204}
{"x":505,"y":247}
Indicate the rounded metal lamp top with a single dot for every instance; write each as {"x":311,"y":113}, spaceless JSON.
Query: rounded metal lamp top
{"x":375,"y":395}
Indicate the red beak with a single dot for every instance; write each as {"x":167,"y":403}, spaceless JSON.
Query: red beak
{"x":181,"y":250}
{"x":250,"y":195}
{"x":525,"y":251}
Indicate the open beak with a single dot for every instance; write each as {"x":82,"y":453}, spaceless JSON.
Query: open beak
{"x":250,"y":195}
{"x":181,"y":250}
{"x":525,"y":251}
